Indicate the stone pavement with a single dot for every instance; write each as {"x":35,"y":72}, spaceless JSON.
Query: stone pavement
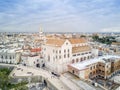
{"x":81,"y":84}
{"x":23,"y":71}
{"x":70,"y":84}
{"x":116,"y":78}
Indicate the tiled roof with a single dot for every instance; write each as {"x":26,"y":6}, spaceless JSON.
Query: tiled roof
{"x":55,"y":42}
{"x":35,"y":50}
{"x":80,"y":49}
{"x":77,"y":40}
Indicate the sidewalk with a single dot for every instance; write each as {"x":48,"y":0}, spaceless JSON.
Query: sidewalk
{"x":70,"y":84}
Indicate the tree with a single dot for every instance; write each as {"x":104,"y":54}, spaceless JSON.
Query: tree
{"x":83,"y":36}
{"x":4,"y":79}
{"x":5,"y":83}
{"x":95,"y":37}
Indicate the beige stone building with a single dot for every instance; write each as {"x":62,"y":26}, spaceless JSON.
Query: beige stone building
{"x":102,"y":67}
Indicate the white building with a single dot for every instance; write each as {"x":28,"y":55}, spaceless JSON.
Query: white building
{"x":58,"y":53}
{"x":32,"y":58}
{"x":10,"y":56}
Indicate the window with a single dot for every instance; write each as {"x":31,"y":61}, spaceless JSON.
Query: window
{"x":68,"y":50}
{"x":88,"y":57}
{"x":102,"y":71}
{"x":84,"y":58}
{"x":53,"y":59}
{"x":37,"y":60}
{"x":78,"y":54}
{"x":68,"y":55}
{"x":81,"y":59}
{"x":66,"y":43}
{"x":77,"y":60}
{"x":82,"y":53}
{"x":89,"y":52}
{"x":64,"y":51}
{"x":48,"y":58}
{"x":96,"y":66}
{"x":74,"y":54}
{"x":56,"y":56}
{"x":10,"y":57}
{"x":53,"y":51}
{"x":56,"y":51}
{"x":73,"y":61}
{"x":107,"y":66}
{"x":59,"y":51}
{"x":6,"y":57}
{"x":96,"y":71}
{"x":90,"y":68}
{"x":2,"y":57}
{"x":44,"y":49}
{"x":90,"y":73}
{"x":64,"y":55}
{"x":34,"y":62}
{"x":59,"y":57}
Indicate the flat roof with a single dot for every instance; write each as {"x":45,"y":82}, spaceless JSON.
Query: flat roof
{"x":83,"y":65}
{"x":9,"y":50}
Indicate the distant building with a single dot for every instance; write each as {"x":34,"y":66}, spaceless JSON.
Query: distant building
{"x":11,"y":56}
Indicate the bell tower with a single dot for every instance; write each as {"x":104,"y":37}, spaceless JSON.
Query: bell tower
{"x":40,"y":33}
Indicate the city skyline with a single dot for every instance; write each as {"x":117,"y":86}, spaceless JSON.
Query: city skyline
{"x":60,"y":15}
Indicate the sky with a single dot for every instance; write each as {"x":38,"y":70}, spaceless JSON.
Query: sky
{"x":60,"y":15}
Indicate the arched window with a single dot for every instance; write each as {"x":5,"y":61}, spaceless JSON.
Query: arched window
{"x":77,"y":60}
{"x":88,"y":57}
{"x":13,"y":57}
{"x":34,"y":62}
{"x":48,"y":57}
{"x":84,"y":58}
{"x":5,"y":57}
{"x":64,"y":55}
{"x":73,"y":61}
{"x":59,"y":51}
{"x":68,"y":55}
{"x":2,"y":56}
{"x":37,"y":60}
{"x":64,"y":51}
{"x":81,"y":59}
{"x":68,"y":50}
{"x":10,"y":57}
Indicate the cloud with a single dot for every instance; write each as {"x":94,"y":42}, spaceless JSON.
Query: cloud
{"x":111,"y":29}
{"x":58,"y":15}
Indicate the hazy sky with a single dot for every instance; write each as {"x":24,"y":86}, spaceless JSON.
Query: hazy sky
{"x":60,"y":15}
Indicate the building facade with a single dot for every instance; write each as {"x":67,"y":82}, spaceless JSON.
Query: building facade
{"x":102,"y":67}
{"x":59,"y":53}
{"x":10,"y":56}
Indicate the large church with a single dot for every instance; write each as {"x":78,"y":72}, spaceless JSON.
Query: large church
{"x":58,"y":53}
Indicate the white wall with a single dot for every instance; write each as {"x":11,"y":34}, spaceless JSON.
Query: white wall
{"x":82,"y":74}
